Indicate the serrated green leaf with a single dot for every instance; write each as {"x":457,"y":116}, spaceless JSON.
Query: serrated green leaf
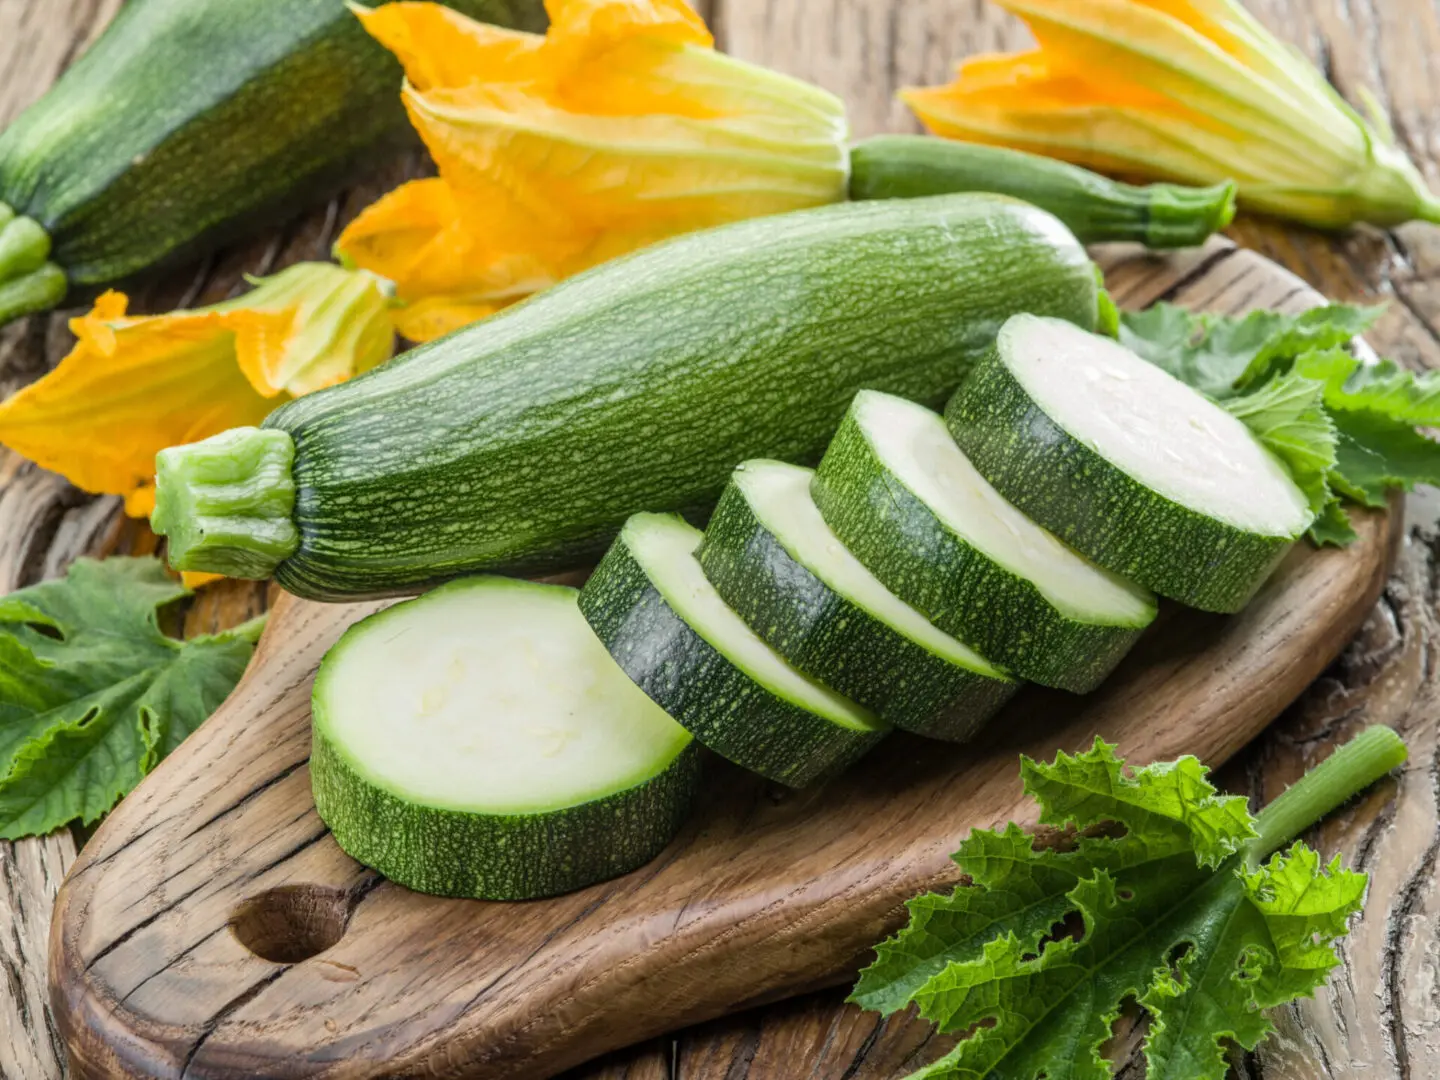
{"x":1384,"y":387}
{"x":1375,"y":454}
{"x":1287,"y":414}
{"x":1170,"y":917}
{"x":92,"y":694}
{"x":1332,"y":527}
{"x":1170,"y":801}
{"x":1219,"y":355}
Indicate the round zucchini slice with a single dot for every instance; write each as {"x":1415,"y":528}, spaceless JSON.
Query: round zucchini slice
{"x":1125,"y":463}
{"x":479,"y":741}
{"x":903,"y":498}
{"x":666,"y":626}
{"x":773,"y":559}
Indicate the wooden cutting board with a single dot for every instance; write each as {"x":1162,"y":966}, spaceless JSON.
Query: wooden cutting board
{"x":212,"y":928}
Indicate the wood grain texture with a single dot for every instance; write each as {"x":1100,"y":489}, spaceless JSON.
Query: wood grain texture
{"x":861,"y":49}
{"x":179,"y":941}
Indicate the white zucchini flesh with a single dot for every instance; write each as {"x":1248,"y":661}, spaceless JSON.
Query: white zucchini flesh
{"x":779,"y":495}
{"x":511,"y":709}
{"x":479,"y":741}
{"x":665,"y":549}
{"x":914,"y":444}
{"x":1151,"y":426}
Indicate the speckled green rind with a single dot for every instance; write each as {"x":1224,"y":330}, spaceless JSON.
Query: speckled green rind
{"x":1095,"y":208}
{"x":997,"y":613}
{"x":834,"y":640}
{"x":521,"y":443}
{"x":1096,"y":508}
{"x":724,"y":708}
{"x":189,"y":120}
{"x":497,"y":856}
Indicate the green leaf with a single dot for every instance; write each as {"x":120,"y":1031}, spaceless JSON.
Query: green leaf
{"x":1287,"y":414}
{"x":1384,"y":387}
{"x":1219,"y":355}
{"x":93,"y":695}
{"x":1332,"y":526}
{"x":1167,"y":913}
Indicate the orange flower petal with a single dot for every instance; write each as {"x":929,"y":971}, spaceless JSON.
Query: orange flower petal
{"x":438,"y":46}
{"x":131,"y":387}
{"x":309,"y":326}
{"x":621,"y":128}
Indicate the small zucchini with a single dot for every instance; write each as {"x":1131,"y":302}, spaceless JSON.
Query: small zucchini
{"x":1125,"y":463}
{"x":1096,"y":208}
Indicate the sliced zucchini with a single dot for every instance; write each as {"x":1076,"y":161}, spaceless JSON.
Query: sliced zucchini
{"x":1127,"y":464}
{"x":478,"y":741}
{"x":773,"y":559}
{"x":903,"y":498}
{"x":667,"y":627}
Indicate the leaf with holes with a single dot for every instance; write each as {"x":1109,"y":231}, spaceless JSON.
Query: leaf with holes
{"x":92,"y":694}
{"x":1166,"y":914}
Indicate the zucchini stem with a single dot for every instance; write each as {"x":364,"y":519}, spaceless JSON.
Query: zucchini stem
{"x":1345,"y":773}
{"x":39,"y":290}
{"x":224,"y":504}
{"x":28,"y":282}
{"x":1094,"y":207}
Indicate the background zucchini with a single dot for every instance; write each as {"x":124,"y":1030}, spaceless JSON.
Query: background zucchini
{"x":479,"y":741}
{"x":668,"y":629}
{"x":1096,"y":208}
{"x":1143,"y":474}
{"x":186,"y":122}
{"x":521,"y":443}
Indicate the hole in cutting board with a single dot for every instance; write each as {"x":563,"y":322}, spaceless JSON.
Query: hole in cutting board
{"x":291,"y":923}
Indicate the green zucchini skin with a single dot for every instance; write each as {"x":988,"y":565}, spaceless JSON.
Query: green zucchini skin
{"x":1096,"y":508}
{"x":606,"y":837}
{"x":1096,"y":208}
{"x":189,"y":121}
{"x":523,"y":442}
{"x":724,"y":708}
{"x":836,"y":641}
{"x":996,"y":612}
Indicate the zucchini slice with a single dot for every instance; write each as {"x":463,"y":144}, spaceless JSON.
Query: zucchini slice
{"x":667,"y":627}
{"x":772,"y":558}
{"x":900,"y":495}
{"x":1127,"y":464}
{"x":478,"y":741}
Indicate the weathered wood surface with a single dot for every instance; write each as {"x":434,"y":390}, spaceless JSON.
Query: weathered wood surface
{"x":185,"y":938}
{"x":863,"y":49}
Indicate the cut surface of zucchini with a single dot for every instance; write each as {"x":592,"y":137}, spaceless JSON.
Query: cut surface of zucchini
{"x":651,"y":604}
{"x":1127,"y":464}
{"x":907,"y":502}
{"x":479,"y":741}
{"x":773,"y":559}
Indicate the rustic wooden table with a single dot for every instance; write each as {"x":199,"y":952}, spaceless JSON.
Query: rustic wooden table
{"x":1380,"y":1016}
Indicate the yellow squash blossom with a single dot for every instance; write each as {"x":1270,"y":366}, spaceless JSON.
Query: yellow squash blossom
{"x":134,"y":385}
{"x":619,"y":127}
{"x":1191,"y":90}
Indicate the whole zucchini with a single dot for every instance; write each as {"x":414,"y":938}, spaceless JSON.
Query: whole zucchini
{"x":187,"y":121}
{"x":521,"y":443}
{"x":1096,"y":208}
